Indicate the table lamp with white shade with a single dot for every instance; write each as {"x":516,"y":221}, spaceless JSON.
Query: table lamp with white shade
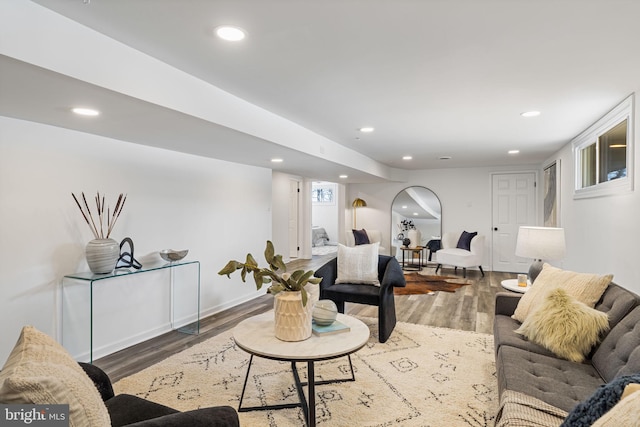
{"x":541,"y":244}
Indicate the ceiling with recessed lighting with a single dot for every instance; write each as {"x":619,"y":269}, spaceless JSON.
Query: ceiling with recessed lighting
{"x":432,"y":79}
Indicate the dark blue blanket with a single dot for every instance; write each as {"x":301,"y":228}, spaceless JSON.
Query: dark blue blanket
{"x":604,"y":398}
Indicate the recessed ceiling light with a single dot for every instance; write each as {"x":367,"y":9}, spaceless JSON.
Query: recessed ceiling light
{"x":415,"y":214}
{"x":230,"y":33}
{"x":404,"y":206}
{"x":530,"y":114}
{"x":444,"y":158}
{"x":367,"y":129}
{"x":277,"y":160}
{"x":85,"y":111}
{"x":407,"y":158}
{"x":344,"y":176}
{"x":513,"y":151}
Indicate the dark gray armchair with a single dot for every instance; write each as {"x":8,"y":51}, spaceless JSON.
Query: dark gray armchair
{"x":129,"y":410}
{"x":390,"y":275}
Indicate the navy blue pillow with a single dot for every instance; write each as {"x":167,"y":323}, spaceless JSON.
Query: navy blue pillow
{"x":464,"y":242}
{"x":604,"y":398}
{"x":361,"y":237}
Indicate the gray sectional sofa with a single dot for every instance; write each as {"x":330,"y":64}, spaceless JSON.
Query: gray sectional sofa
{"x":536,"y":385}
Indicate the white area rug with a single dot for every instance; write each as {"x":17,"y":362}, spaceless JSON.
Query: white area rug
{"x":422,"y":376}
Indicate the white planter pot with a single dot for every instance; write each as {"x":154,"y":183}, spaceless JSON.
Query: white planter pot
{"x":292,"y":319}
{"x":102,"y":255}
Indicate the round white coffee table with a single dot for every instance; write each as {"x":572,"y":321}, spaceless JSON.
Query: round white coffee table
{"x":512,"y":285}
{"x":256,"y":336}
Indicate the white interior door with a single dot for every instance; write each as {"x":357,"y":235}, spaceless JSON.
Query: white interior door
{"x":294,"y":200}
{"x":513,"y":205}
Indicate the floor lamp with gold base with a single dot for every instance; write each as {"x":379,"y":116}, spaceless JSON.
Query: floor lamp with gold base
{"x":357,"y":203}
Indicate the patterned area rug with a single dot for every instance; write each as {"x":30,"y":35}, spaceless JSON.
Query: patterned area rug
{"x":422,"y":376}
{"x":418,"y":284}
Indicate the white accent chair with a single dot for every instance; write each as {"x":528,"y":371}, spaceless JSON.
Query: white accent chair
{"x":451,"y":255}
{"x":373,"y":235}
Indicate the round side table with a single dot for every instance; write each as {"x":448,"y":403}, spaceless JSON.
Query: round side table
{"x":512,"y":285}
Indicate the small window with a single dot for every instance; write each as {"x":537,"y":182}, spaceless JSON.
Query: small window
{"x":323,"y":194}
{"x":603,"y":154}
{"x":613,"y":153}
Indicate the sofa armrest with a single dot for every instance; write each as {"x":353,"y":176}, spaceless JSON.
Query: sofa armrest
{"x":393,"y":275}
{"x":100,"y":379}
{"x":218,"y":416}
{"x":506,"y":303}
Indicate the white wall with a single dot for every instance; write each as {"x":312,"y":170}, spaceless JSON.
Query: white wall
{"x":217,"y":210}
{"x":465,"y":195}
{"x":602,"y":233}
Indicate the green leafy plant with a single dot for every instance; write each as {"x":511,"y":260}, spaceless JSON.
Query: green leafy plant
{"x":280,"y":282}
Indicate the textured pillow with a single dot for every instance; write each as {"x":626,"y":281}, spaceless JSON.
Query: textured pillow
{"x":361,"y":237}
{"x":358,"y":264}
{"x":565,"y":326}
{"x":585,"y":287}
{"x":464,"y":242}
{"x":40,"y":371}
{"x":602,"y":400}
{"x":625,"y":413}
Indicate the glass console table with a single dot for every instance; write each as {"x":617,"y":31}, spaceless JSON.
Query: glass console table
{"x":68,"y":281}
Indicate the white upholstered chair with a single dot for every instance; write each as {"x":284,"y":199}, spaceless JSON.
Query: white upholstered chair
{"x":451,"y":255}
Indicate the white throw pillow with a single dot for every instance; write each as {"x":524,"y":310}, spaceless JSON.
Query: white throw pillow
{"x":625,"y":413}
{"x":40,"y":371}
{"x":358,"y":264}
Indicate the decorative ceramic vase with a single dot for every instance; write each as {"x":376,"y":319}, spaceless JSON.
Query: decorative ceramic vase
{"x":102,"y":255}
{"x":324,"y":312}
{"x":292,"y":319}
{"x":415,"y":237}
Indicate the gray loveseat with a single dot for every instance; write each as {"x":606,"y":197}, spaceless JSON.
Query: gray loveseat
{"x":535,"y":384}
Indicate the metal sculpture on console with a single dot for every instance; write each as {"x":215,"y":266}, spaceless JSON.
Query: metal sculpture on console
{"x":126,"y":259}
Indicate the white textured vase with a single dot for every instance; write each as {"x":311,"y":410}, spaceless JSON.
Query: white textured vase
{"x":292,"y":319}
{"x":415,"y":236}
{"x":102,"y":255}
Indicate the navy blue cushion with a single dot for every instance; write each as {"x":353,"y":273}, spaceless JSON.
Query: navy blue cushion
{"x":464,"y":242}
{"x":361,"y":237}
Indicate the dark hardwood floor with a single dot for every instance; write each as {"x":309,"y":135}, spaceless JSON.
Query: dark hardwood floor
{"x":469,"y":308}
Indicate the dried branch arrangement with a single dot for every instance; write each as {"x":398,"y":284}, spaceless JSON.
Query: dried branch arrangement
{"x":110,"y":217}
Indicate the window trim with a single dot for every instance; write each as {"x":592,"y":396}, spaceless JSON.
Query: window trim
{"x":624,"y":110}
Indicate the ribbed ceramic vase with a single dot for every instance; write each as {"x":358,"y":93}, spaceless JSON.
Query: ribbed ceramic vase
{"x":292,"y":319}
{"x":102,"y":255}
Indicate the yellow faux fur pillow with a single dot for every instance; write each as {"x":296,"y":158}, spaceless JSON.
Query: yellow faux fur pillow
{"x":585,"y":287}
{"x":567,"y":327}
